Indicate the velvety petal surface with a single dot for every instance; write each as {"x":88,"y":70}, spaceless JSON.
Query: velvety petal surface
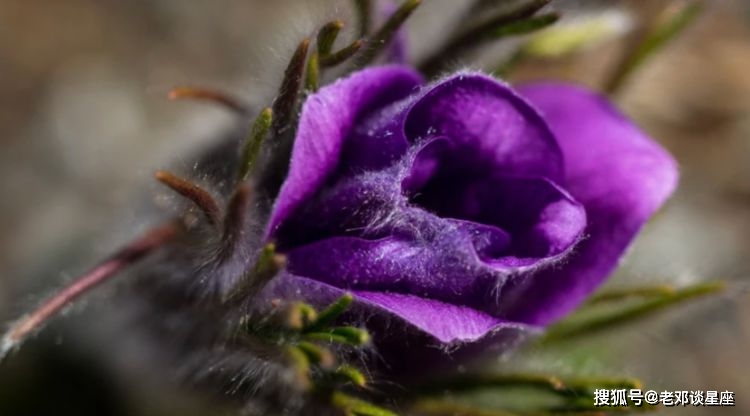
{"x":441,"y":267}
{"x":617,"y":172}
{"x":488,"y":124}
{"x":328,"y":118}
{"x":444,"y":323}
{"x":541,"y":217}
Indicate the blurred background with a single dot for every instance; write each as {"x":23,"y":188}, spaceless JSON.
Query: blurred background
{"x":84,"y":122}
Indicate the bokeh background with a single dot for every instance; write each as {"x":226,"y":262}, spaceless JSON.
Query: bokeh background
{"x":84,"y":122}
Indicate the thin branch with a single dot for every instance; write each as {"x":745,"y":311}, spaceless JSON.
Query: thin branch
{"x":235,"y":218}
{"x":380,"y":39}
{"x":492,"y":28}
{"x":205,"y":94}
{"x":286,"y":101}
{"x":121,"y":260}
{"x":327,"y":36}
{"x":678,"y":17}
{"x":197,"y":195}
{"x":341,"y":55}
{"x":363,"y":8}
{"x":253,"y":143}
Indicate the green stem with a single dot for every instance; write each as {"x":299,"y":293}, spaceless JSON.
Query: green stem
{"x":577,"y":327}
{"x":517,"y":21}
{"x":254,"y":142}
{"x":659,"y":36}
{"x":380,"y":39}
{"x":328,"y":315}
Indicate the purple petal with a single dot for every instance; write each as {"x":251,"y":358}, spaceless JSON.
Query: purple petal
{"x":489,"y":242}
{"x":542,"y":218}
{"x":393,"y":264}
{"x":493,"y":129}
{"x":352,"y":206}
{"x":457,"y":324}
{"x":621,"y":177}
{"x":327,"y":119}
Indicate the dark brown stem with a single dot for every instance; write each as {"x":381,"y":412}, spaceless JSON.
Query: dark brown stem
{"x":285,"y":103}
{"x":127,"y":256}
{"x":197,"y":195}
{"x":206,"y":94}
{"x":235,"y":218}
{"x":283,"y":125}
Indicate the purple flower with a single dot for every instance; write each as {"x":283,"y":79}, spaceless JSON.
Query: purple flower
{"x":464,"y":206}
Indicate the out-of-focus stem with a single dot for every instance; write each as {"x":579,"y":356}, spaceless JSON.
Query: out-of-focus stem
{"x":121,"y":260}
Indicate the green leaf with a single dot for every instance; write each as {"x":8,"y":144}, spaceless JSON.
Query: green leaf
{"x":358,"y":407}
{"x":316,"y":354}
{"x":266,"y":267}
{"x":580,"y":324}
{"x":634,"y":292}
{"x":341,"y":335}
{"x":286,"y":100}
{"x":575,"y":35}
{"x":300,"y":315}
{"x":301,"y":364}
{"x":514,"y":394}
{"x":342,"y":55}
{"x":363,"y":9}
{"x":471,"y":382}
{"x":660,"y":35}
{"x":383,"y":36}
{"x":327,"y":36}
{"x":312,"y":73}
{"x":254,"y":142}
{"x":525,"y":26}
{"x":516,"y":21}
{"x":329,"y":315}
{"x":445,"y":407}
{"x":349,"y":374}
{"x":284,"y":122}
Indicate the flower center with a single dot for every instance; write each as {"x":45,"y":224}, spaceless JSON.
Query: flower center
{"x":540,"y":218}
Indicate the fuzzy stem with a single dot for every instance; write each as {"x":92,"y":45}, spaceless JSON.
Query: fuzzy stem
{"x":653,"y":40}
{"x":284,"y":123}
{"x":363,"y":8}
{"x":331,"y":313}
{"x":285,"y":103}
{"x":327,"y":36}
{"x":124,"y":258}
{"x":385,"y":34}
{"x":235,"y":218}
{"x":574,"y":327}
{"x":341,"y":55}
{"x":254,"y":142}
{"x":492,"y":28}
{"x":199,"y":196}
{"x":312,"y":73}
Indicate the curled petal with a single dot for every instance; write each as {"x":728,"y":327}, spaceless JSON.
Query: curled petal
{"x":542,"y":219}
{"x":617,"y":172}
{"x":328,"y":118}
{"x":492,"y":128}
